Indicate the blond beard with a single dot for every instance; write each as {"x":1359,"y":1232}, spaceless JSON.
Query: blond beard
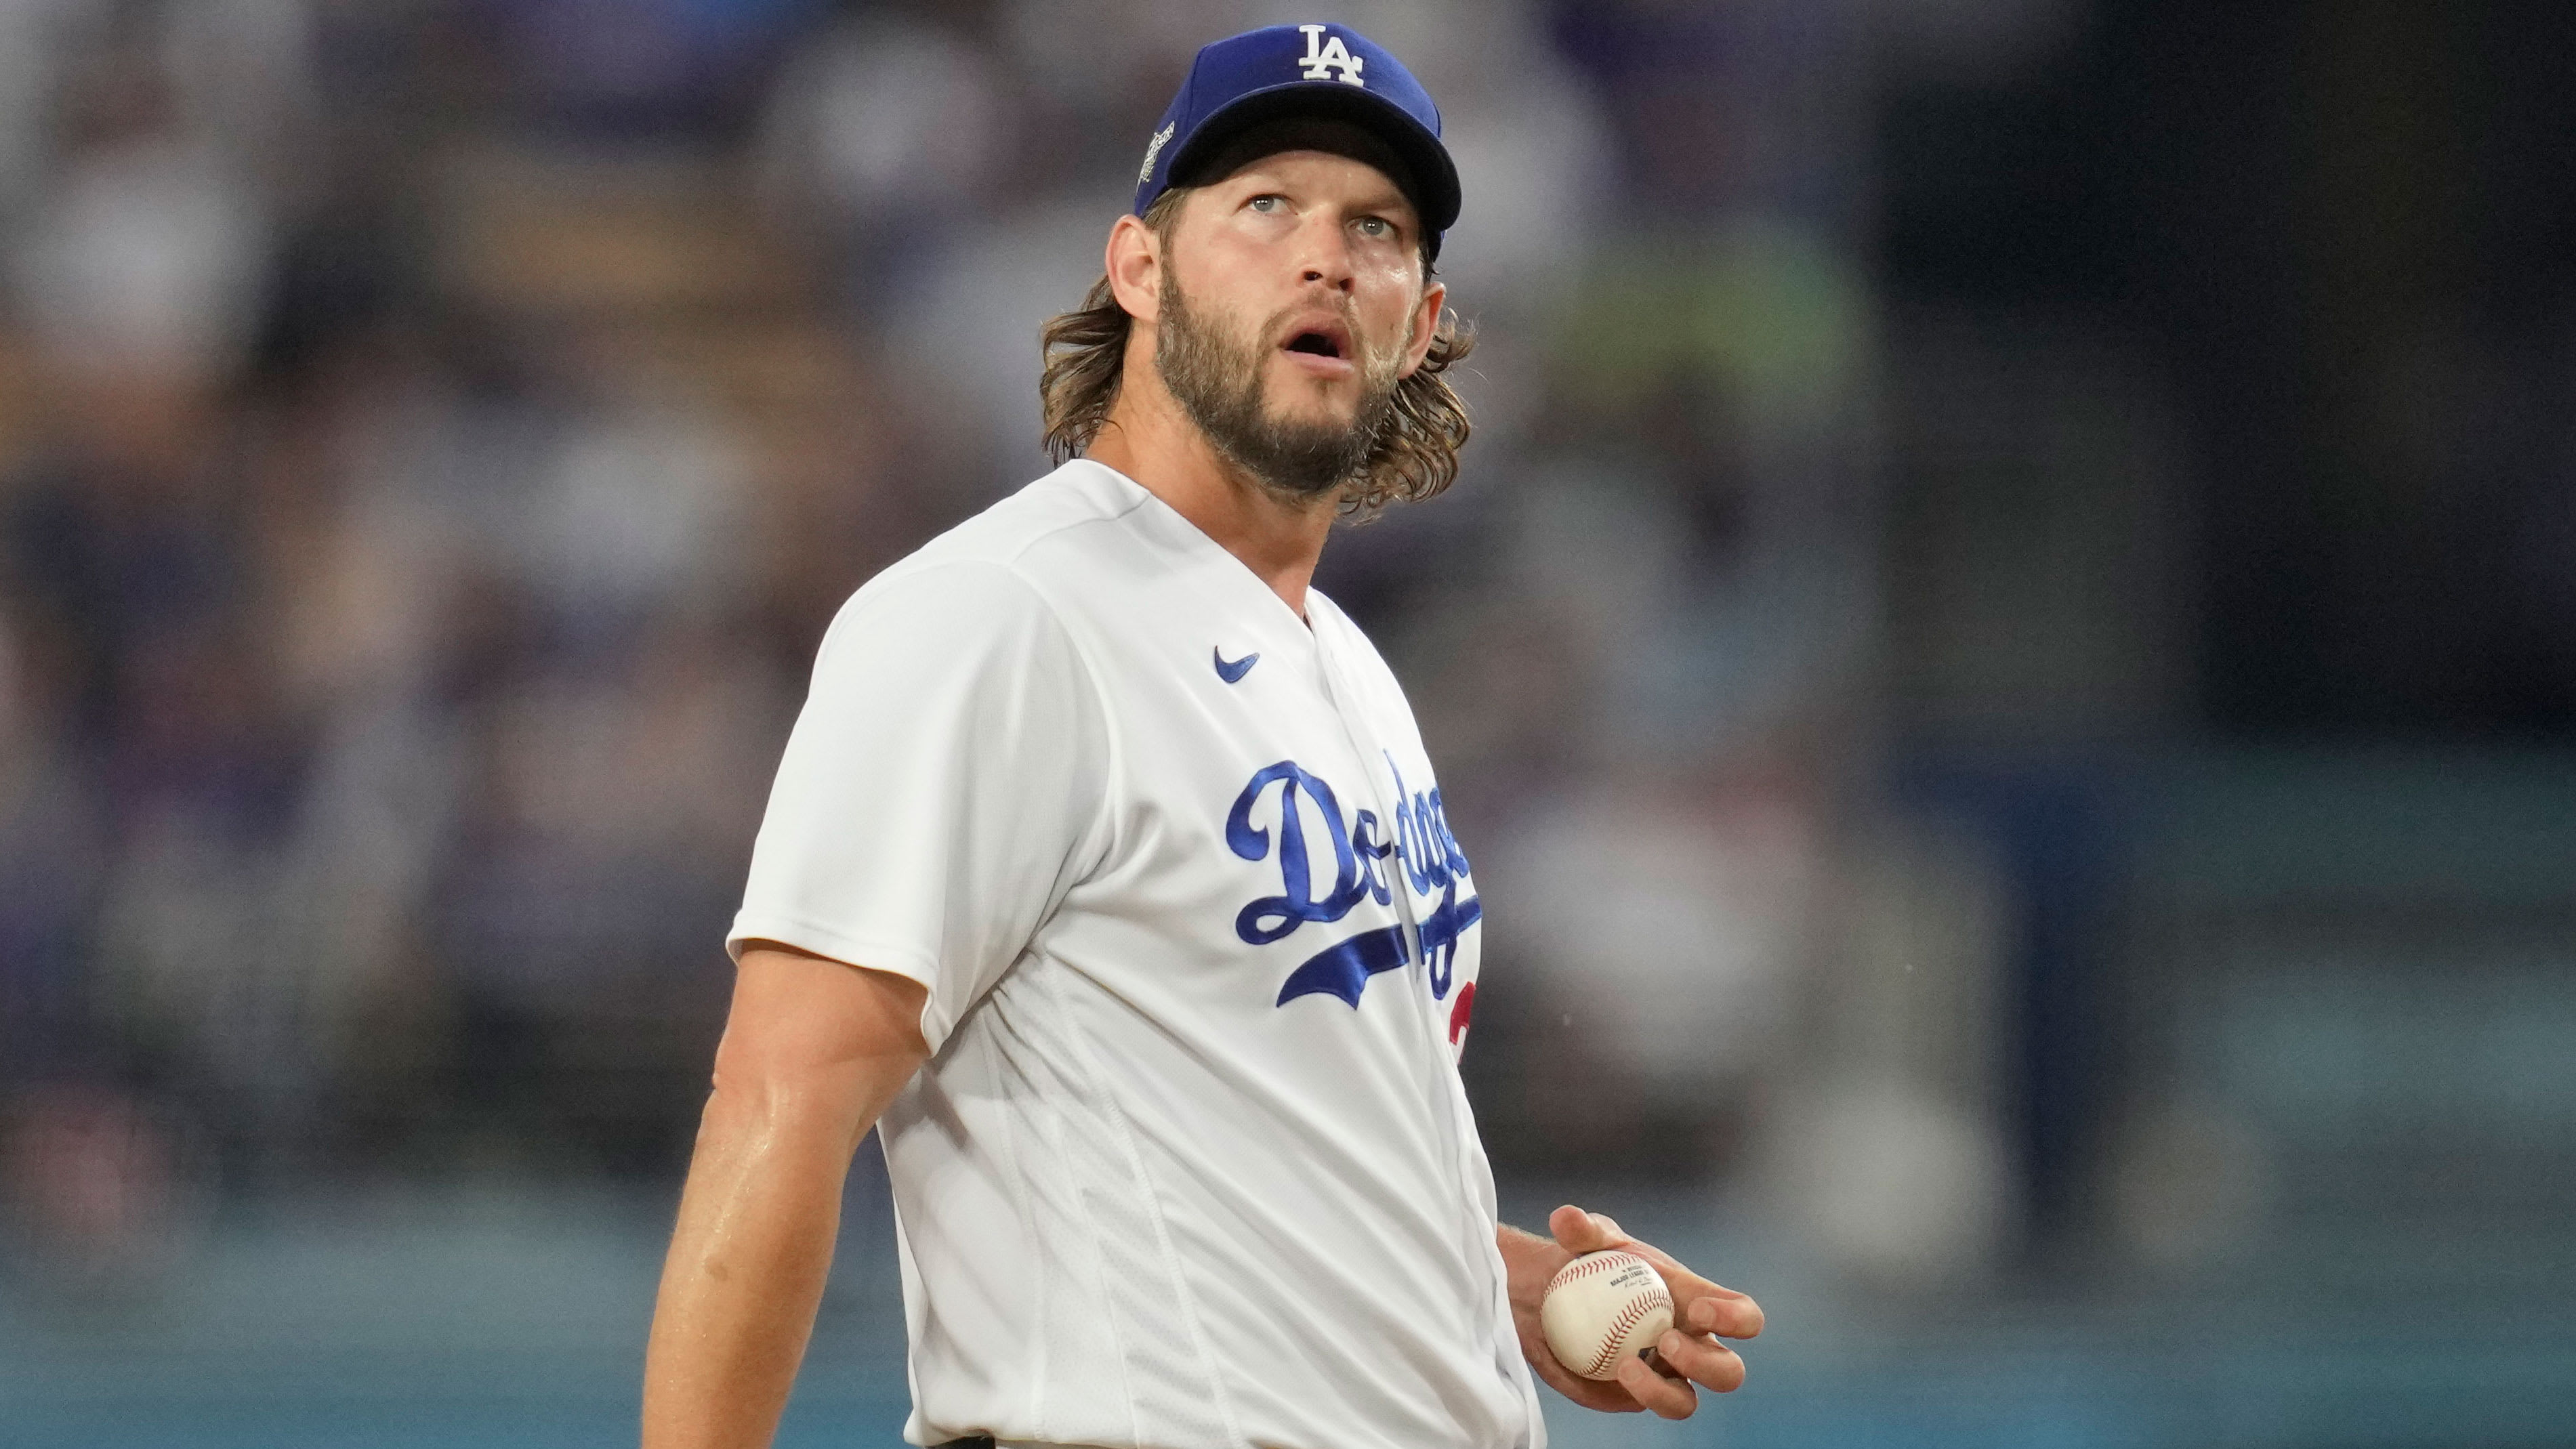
{"x":1218,"y":383}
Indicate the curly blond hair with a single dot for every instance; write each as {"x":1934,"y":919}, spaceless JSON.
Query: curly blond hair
{"x":1415,"y":455}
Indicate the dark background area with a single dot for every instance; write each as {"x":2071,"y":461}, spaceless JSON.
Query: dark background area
{"x":2342,"y":234}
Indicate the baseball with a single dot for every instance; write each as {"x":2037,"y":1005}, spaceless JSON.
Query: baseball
{"x":1604,"y":1307}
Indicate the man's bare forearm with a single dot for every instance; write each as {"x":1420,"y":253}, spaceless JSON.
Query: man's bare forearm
{"x":746,"y":1269}
{"x":813,"y":1053}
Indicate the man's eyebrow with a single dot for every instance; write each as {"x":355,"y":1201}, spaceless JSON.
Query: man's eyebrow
{"x":1390,"y":197}
{"x":1390,"y":202}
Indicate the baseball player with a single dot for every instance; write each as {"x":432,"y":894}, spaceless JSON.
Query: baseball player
{"x":1106,"y":877}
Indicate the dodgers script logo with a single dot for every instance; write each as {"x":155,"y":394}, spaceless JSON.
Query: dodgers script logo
{"x":1325,"y":54}
{"x":1298,"y":801}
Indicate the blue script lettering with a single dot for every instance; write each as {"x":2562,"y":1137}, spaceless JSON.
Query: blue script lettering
{"x":1344,"y":970}
{"x":1440,"y":932}
{"x":1432,"y":862}
{"x":1432,"y":858}
{"x":1271,"y":917}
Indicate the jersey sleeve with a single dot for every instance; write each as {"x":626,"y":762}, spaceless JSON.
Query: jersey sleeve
{"x":938,"y":789}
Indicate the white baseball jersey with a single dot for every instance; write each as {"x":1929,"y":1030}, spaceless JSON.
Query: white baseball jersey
{"x":1190,"y":1163}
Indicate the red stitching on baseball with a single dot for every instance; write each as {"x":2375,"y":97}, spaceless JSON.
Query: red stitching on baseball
{"x":1591,"y":1263}
{"x":1617,"y":1335}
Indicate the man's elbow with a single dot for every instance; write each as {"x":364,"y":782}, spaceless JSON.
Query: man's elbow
{"x":766,"y":1084}
{"x":813,"y":1048}
{"x":764,"y":1108}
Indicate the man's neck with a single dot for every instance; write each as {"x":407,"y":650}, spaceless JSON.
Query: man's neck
{"x":1148,"y":438}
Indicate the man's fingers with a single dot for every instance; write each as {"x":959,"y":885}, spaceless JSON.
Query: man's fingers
{"x":1578,"y":1231}
{"x":1728,"y":1312}
{"x":1706,"y":1362}
{"x":1721,"y":1311}
{"x":1607,"y":1398}
{"x":1700,"y":1309}
{"x":1670,"y":1398}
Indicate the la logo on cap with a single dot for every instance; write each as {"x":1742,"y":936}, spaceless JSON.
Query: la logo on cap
{"x":1327,"y":53}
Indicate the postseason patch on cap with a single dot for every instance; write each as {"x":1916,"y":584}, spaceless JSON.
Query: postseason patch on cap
{"x":1282,"y":71}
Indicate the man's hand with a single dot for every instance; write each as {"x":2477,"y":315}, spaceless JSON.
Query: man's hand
{"x":1702,"y":1312}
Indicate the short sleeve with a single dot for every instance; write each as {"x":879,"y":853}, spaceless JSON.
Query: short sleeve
{"x":934,"y":798}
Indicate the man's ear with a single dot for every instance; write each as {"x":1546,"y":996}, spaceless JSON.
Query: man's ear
{"x":1426,"y":326}
{"x":1135,"y":268}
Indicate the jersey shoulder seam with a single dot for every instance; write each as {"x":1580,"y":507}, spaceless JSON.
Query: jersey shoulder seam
{"x":1069,"y":525}
{"x":1101,"y":830}
{"x":1096,"y":835}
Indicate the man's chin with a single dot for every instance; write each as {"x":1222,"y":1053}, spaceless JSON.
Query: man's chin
{"x":1310,"y":408}
{"x":1292,"y":457}
{"x":1309,"y":432}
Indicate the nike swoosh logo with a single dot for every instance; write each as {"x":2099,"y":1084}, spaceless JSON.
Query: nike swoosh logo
{"x":1231,"y":670}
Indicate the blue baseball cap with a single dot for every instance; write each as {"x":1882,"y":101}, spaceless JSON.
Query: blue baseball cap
{"x":1330,"y":71}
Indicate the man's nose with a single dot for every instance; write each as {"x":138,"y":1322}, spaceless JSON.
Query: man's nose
{"x":1328,"y":258}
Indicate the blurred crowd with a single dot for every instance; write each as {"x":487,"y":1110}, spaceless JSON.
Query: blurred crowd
{"x":1998,"y":650}
{"x":434,"y":433}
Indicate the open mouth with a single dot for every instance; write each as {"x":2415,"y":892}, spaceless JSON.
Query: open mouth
{"x":1317,"y":344}
{"x":1321,"y":334}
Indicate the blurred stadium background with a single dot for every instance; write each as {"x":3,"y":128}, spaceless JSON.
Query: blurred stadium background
{"x":2006,"y":652}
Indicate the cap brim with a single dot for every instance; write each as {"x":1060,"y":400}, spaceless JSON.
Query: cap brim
{"x":1434,"y":178}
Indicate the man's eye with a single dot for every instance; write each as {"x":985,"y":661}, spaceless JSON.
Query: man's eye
{"x":1376,"y":226}
{"x":1265,"y":203}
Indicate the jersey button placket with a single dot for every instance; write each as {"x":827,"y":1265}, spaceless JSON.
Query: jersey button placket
{"x":1444,"y":1076}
